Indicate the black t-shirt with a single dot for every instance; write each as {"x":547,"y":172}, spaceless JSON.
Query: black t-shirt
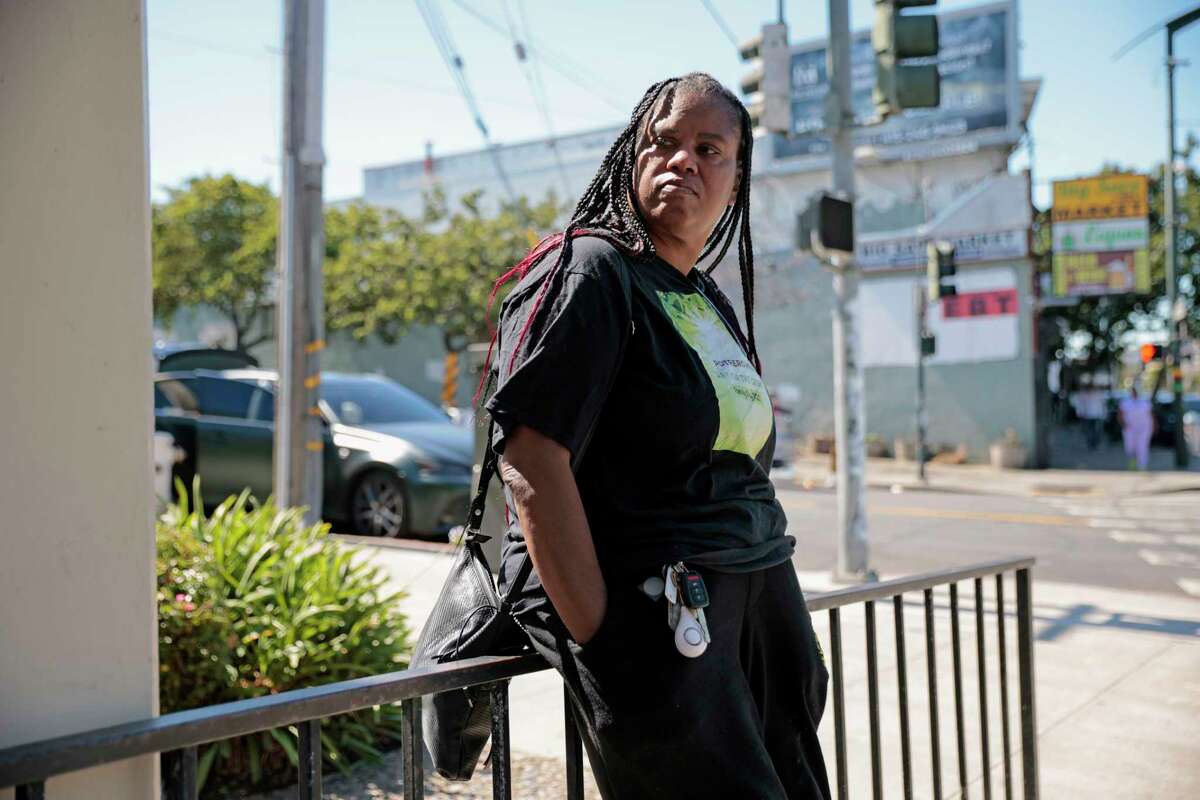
{"x":676,"y":468}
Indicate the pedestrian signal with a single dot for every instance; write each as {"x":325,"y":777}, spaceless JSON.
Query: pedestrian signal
{"x":826,"y":226}
{"x":1151,"y":352}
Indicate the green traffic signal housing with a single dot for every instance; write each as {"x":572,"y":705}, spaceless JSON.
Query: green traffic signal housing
{"x":896,"y":38}
{"x":940,"y":271}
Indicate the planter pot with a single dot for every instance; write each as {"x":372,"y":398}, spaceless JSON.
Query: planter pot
{"x":1006,"y":456}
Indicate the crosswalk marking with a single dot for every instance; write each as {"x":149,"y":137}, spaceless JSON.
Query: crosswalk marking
{"x":1189,"y":585}
{"x":1135,"y":537}
{"x":1169,"y":558}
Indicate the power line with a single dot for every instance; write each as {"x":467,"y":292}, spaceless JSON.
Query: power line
{"x":273,"y":53}
{"x":557,"y":61}
{"x":724,"y":26}
{"x":440,"y":32}
{"x":536,"y":87}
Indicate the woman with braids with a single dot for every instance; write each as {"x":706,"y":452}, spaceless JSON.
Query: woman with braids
{"x":635,"y":434}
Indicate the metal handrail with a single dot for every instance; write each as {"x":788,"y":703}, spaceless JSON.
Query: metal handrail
{"x":178,"y":735}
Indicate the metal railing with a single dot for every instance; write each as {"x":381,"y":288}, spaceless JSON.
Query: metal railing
{"x":178,"y":736}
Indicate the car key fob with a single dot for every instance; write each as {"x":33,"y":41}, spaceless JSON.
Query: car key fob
{"x":695,"y":593}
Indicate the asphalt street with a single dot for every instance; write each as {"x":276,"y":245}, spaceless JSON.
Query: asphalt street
{"x":1144,"y":543}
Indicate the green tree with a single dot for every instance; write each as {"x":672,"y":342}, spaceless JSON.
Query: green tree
{"x":385,"y":272}
{"x":1100,"y":324}
{"x":214,"y":245}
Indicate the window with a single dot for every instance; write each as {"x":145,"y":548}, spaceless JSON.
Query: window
{"x":174,"y":395}
{"x":370,"y":401}
{"x":223,"y":398}
{"x":262,"y":407}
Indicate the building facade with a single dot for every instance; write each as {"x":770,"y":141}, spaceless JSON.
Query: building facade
{"x":938,"y":174}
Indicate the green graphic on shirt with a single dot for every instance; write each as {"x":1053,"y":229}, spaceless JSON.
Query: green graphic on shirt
{"x":745,"y":409}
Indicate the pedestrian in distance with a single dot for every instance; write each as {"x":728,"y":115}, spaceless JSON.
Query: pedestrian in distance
{"x":1137,"y":427}
{"x":1092,"y":411}
{"x":635,"y":437}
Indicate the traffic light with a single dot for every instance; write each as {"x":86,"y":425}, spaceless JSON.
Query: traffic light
{"x":826,"y":225}
{"x":1151,"y":352}
{"x":897,"y":37}
{"x":940,"y":271}
{"x":768,"y":85}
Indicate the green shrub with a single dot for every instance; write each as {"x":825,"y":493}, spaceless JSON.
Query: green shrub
{"x":251,"y":602}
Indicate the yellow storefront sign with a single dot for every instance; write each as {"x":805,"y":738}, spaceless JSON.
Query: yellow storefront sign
{"x":1085,"y":274}
{"x":1104,"y":197}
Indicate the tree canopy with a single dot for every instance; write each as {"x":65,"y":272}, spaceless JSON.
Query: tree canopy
{"x":214,"y":242}
{"x":385,"y":272}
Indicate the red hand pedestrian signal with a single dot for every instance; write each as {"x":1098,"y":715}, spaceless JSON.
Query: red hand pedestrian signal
{"x":1151,"y":352}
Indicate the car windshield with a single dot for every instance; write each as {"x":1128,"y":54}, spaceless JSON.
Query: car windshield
{"x":374,"y":401}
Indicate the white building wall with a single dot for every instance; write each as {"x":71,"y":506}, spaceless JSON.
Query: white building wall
{"x":78,"y":644}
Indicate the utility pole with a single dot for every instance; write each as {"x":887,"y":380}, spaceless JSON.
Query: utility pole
{"x":852,"y":563}
{"x":299,"y":305}
{"x":921,"y":307}
{"x":1171,"y":243}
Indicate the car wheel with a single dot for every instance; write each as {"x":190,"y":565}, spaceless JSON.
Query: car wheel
{"x":379,"y":506}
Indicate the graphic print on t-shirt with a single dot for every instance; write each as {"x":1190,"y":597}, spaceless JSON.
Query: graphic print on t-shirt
{"x":745,"y":409}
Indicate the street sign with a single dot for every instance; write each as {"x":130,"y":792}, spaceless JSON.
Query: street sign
{"x":1100,"y":231}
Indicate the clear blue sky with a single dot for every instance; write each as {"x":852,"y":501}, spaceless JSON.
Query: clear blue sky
{"x":215,"y":77}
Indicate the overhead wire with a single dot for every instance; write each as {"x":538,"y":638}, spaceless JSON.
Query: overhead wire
{"x":537,"y":88}
{"x":721,"y":23}
{"x":440,"y":32}
{"x":556,"y":60}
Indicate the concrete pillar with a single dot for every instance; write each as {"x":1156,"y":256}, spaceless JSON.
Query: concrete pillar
{"x":77,"y":614}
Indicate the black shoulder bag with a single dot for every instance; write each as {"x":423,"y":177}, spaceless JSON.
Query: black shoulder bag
{"x":471,"y":619}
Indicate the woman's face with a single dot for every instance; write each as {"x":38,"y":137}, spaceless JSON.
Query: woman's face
{"x":686,"y":173}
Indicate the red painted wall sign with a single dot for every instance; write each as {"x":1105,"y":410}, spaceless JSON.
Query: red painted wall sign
{"x":997,"y":303}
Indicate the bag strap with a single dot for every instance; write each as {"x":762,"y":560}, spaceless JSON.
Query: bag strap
{"x":487,"y":469}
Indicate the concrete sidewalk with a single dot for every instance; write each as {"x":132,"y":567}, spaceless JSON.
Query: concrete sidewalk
{"x":885,"y":473}
{"x":1117,"y":677}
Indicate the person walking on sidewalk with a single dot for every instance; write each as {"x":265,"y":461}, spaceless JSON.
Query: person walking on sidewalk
{"x":636,"y":435}
{"x":1137,"y":428}
{"x":1092,"y":411}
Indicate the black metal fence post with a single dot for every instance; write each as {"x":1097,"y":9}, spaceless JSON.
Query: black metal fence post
{"x":412,"y":746}
{"x":31,"y":791}
{"x":501,"y":751}
{"x":839,"y":703}
{"x":1029,"y":758}
{"x":902,"y":689}
{"x":935,"y":744}
{"x":310,"y":760}
{"x":179,"y":774}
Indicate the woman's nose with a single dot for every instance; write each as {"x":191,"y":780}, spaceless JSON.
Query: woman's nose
{"x":682,"y":161}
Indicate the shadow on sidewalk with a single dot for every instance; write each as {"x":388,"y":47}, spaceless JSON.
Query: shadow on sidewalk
{"x":1090,"y":616}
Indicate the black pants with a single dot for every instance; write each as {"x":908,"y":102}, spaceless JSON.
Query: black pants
{"x":737,"y":723}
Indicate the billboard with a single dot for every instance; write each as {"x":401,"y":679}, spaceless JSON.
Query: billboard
{"x":1101,"y":236}
{"x":977,"y":65}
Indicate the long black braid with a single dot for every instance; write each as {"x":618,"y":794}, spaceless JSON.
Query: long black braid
{"x":607,"y":207}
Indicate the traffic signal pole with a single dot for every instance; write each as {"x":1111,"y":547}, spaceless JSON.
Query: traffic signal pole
{"x":1171,"y":243}
{"x":849,"y":413}
{"x":299,"y":304}
{"x":921,"y":307}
